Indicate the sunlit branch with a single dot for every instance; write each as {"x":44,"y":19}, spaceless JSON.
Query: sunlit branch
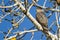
{"x":32,"y":36}
{"x":8,"y":32}
{"x":21,"y":33}
{"x":52,"y":25}
{"x":1,"y":17}
{"x":5,"y":15}
{"x":44,"y":3}
{"x":21,"y":19}
{"x":30,"y":7}
{"x":56,"y":14}
{"x":57,"y":10}
{"x":8,"y":6}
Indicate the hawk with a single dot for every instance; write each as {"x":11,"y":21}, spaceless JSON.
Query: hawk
{"x":41,"y":18}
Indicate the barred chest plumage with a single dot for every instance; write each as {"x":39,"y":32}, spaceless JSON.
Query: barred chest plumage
{"x":41,"y":17}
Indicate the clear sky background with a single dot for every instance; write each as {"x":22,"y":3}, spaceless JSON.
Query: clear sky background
{"x":27,"y":24}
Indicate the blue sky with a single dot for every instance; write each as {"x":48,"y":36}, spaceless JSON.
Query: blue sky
{"x":27,"y":24}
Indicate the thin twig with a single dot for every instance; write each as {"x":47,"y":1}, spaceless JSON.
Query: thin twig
{"x":44,"y":3}
{"x":32,"y":36}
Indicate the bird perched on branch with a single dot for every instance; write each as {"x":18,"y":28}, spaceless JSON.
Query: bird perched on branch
{"x":41,"y":18}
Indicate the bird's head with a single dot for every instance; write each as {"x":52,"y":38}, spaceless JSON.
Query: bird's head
{"x":39,"y":9}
